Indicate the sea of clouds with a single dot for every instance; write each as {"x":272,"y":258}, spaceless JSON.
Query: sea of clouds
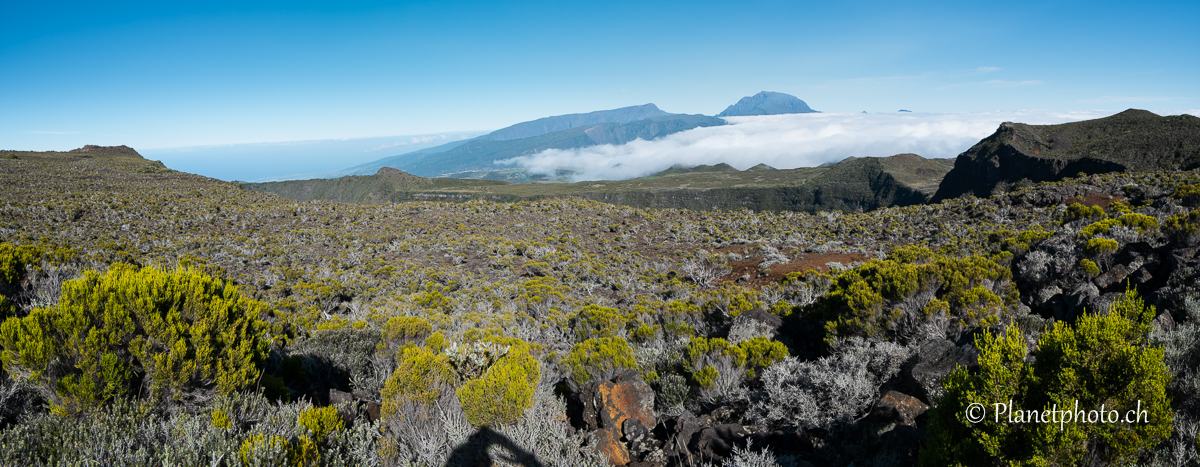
{"x":787,"y":142}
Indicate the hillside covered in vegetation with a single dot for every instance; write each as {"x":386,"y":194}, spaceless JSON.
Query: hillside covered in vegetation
{"x":855,"y":184}
{"x":154,"y":317}
{"x":1019,"y":153}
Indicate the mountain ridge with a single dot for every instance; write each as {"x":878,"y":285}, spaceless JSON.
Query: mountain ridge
{"x":555,"y":123}
{"x":862,"y":183}
{"x":477,"y":156}
{"x":1134,"y":139}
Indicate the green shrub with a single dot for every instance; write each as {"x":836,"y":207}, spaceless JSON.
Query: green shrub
{"x":1142,"y":223}
{"x":406,"y":328}
{"x":1089,"y":267}
{"x":911,"y":254}
{"x":862,"y":300}
{"x":731,"y":300}
{"x":1102,"y":363}
{"x":176,"y":330}
{"x":600,"y":321}
{"x":400,"y":331}
{"x":1117,"y":207}
{"x":14,"y":260}
{"x":1182,"y":227}
{"x":436,"y":342}
{"x":1007,"y":240}
{"x":706,"y":376}
{"x":645,"y":332}
{"x":262,"y":449}
{"x":421,"y":375}
{"x":274,"y":388}
{"x":321,"y":421}
{"x":1189,"y":193}
{"x":493,"y":377}
{"x":504,"y":391}
{"x":760,"y":353}
{"x":1078,"y":211}
{"x":316,"y":423}
{"x":220,"y":419}
{"x":598,"y":356}
{"x":1098,"y":228}
{"x":1100,"y":246}
{"x":699,"y":347}
{"x":751,"y":354}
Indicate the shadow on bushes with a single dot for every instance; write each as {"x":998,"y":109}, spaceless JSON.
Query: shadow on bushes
{"x":474,"y":451}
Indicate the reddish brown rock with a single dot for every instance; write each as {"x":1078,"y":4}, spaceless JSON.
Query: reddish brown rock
{"x":373,"y":410}
{"x":608,"y":442}
{"x":899,"y":408}
{"x":623,"y":399}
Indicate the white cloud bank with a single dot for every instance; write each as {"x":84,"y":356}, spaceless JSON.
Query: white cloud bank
{"x":787,"y":142}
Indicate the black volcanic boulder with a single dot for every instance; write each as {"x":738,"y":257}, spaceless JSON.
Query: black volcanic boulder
{"x":935,"y":360}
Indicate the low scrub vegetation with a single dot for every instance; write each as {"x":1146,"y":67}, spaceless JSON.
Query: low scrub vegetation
{"x":152,"y":317}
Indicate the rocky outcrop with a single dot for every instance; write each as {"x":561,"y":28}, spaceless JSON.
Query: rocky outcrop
{"x":935,"y":360}
{"x":898,"y":408}
{"x":1130,"y":140}
{"x":349,"y":404}
{"x":619,"y":414}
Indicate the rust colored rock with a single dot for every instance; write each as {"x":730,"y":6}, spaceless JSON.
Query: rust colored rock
{"x":608,"y":442}
{"x":900,"y":408}
{"x":624,"y":399}
{"x":373,"y":410}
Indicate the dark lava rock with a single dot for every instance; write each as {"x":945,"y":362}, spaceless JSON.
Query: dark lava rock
{"x":935,"y":360}
{"x":717,"y":442}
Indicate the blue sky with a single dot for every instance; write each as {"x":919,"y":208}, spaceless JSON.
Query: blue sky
{"x":161,"y":75}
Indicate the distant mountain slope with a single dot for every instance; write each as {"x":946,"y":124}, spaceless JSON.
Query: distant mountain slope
{"x":475,"y":157}
{"x":546,"y":125}
{"x":854,"y":184}
{"x":394,"y":161}
{"x":677,"y":170}
{"x":1131,"y":140}
{"x":767,"y":103}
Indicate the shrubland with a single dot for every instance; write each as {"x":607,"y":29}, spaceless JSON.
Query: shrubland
{"x":157,"y":317}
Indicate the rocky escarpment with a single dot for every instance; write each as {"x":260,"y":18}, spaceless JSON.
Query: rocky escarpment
{"x":860,"y":184}
{"x":1131,"y":140}
{"x":108,"y":149}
